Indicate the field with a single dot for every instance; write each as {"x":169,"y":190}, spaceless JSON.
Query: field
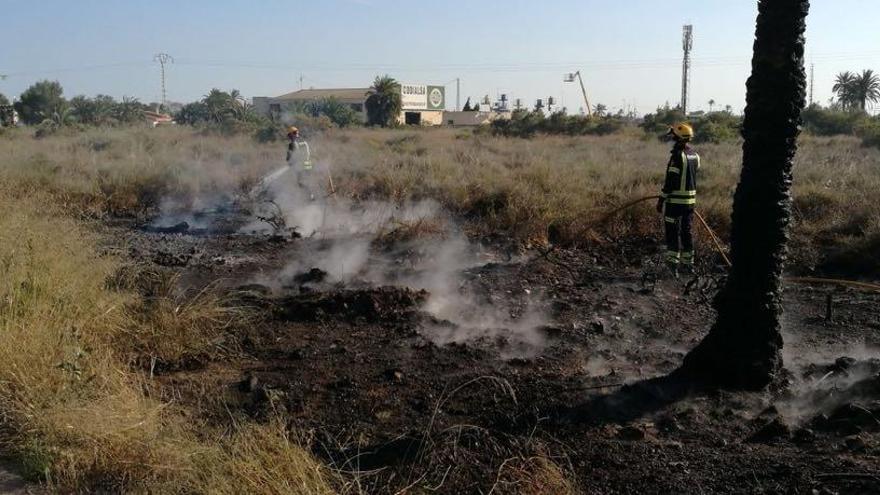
{"x":425,"y":311}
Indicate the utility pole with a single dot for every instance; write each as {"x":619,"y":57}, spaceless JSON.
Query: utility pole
{"x":301,"y":82}
{"x":163,"y":58}
{"x":812,"y":72}
{"x":570,"y":77}
{"x":687,"y":43}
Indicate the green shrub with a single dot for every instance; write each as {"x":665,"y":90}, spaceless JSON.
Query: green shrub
{"x":192,"y":113}
{"x":714,"y":127}
{"x":522,"y":124}
{"x":268,"y":133}
{"x":607,"y":125}
{"x":869,"y":131}
{"x":45,"y":129}
{"x":714,"y":132}
{"x":829,"y":122}
{"x":339,"y":113}
{"x":659,"y":121}
{"x":526,"y":124}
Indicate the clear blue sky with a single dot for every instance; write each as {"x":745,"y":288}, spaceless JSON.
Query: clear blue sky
{"x":629,"y":51}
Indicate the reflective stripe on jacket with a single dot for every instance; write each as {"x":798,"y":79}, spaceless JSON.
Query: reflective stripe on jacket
{"x":680,"y":186}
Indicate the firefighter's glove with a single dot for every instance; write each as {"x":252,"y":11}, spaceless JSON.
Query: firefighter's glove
{"x":660,"y":202}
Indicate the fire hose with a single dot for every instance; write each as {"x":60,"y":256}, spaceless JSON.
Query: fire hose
{"x":720,"y":248}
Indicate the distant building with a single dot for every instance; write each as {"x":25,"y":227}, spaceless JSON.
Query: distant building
{"x":422,"y":104}
{"x":473,"y":119}
{"x":157,"y":118}
{"x":353,"y":97}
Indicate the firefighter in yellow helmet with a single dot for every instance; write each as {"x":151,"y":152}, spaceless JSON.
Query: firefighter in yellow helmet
{"x":292,"y":136}
{"x":298,"y":152}
{"x":679,"y":198}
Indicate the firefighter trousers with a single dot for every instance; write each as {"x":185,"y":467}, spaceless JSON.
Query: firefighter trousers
{"x":679,"y":234}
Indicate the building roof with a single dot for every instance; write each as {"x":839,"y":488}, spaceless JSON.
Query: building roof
{"x":346,"y":94}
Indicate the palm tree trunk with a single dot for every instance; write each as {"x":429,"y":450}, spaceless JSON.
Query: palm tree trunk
{"x":742,"y":351}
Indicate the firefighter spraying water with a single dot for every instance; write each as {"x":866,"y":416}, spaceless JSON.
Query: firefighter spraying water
{"x":298,"y":152}
{"x":299,"y":162}
{"x":299,"y":159}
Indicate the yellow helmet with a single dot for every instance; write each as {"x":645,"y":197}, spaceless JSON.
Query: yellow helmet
{"x":682,"y":131}
{"x":292,"y":130}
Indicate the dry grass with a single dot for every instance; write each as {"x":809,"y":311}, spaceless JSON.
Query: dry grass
{"x":525,"y":188}
{"x":533,"y":476}
{"x":521,"y":188}
{"x":265,"y":459}
{"x":171,"y":328}
{"x":73,"y":415}
{"x":124,"y":171}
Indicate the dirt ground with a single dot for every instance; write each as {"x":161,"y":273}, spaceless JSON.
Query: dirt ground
{"x":12,"y":484}
{"x":359,"y":368}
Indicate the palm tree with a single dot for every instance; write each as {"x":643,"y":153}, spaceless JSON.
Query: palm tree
{"x":843,"y":87}
{"x":865,"y":87}
{"x":129,"y":110}
{"x":742,"y":350}
{"x":219,"y":104}
{"x":711,"y":104}
{"x":600,"y":110}
{"x":383,"y":102}
{"x":243,"y":111}
{"x":60,"y":115}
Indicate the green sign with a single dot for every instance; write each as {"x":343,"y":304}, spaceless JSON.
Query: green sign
{"x":436,"y":98}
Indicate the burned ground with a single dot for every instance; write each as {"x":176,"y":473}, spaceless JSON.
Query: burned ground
{"x":360,"y":366}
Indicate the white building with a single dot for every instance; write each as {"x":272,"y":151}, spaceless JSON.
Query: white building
{"x":422,"y":104}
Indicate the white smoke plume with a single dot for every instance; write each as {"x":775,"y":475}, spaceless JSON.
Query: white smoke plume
{"x":350,"y":252}
{"x":174,"y":210}
{"x":362,"y":243}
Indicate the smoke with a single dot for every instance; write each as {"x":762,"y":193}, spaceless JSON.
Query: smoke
{"x":849,"y":373}
{"x":473,"y":316}
{"x":342,"y":259}
{"x":411,"y":244}
{"x":368,"y":243}
{"x":197,"y":211}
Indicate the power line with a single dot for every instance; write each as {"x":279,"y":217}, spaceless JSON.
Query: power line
{"x":82,"y":68}
{"x":163,"y":58}
{"x":592,"y":65}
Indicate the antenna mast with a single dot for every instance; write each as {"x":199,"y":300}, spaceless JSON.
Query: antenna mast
{"x":687,"y":43}
{"x":812,"y":73}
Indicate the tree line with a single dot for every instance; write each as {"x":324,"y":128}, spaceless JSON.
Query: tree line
{"x":43,"y":103}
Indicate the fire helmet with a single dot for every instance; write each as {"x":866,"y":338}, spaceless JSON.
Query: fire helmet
{"x":682,"y":131}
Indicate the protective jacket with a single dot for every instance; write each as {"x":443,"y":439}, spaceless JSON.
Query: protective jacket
{"x":680,"y":187}
{"x":298,"y":152}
